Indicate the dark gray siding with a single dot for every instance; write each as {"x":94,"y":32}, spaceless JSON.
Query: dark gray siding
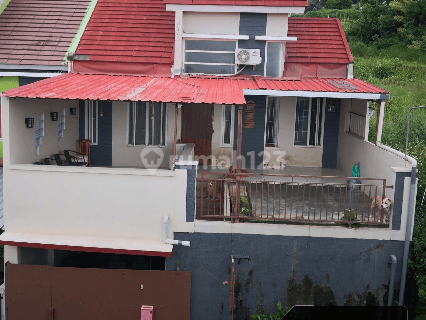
{"x":101,"y":154}
{"x":253,"y":24}
{"x":398,"y":198}
{"x":331,"y":134}
{"x":190,"y":191}
{"x":293,"y":270}
{"x":253,"y":139}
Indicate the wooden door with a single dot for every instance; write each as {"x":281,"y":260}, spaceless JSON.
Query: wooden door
{"x":197,"y":128}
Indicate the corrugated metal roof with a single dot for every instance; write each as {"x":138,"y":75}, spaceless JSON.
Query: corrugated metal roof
{"x":139,"y":31}
{"x":39,"y":32}
{"x":266,"y":3}
{"x":191,"y":89}
{"x":319,"y":40}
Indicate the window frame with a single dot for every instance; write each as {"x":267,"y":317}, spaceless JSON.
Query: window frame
{"x":163,"y":139}
{"x":184,"y":51}
{"x":276,"y":122}
{"x":321,"y":139}
{"x":89,"y":106}
{"x":231,"y":130}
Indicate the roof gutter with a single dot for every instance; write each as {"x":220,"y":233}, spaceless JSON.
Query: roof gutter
{"x":316,"y":94}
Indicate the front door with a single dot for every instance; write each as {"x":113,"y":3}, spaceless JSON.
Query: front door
{"x":197,"y":128}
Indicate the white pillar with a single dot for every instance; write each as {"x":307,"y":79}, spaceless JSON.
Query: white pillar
{"x":380,"y":124}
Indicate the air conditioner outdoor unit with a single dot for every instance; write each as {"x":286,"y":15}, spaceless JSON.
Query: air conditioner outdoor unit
{"x":248,"y":56}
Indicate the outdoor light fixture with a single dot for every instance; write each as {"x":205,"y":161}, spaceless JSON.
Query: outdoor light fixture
{"x":73,"y":111}
{"x":29,"y":122}
{"x":54,"y":116}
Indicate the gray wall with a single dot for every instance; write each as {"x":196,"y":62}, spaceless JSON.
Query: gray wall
{"x":293,"y":270}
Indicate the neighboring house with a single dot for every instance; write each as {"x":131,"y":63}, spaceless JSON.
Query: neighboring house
{"x":160,"y":87}
{"x":35,"y":39}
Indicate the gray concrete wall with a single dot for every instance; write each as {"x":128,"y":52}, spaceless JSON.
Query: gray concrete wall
{"x":293,"y":270}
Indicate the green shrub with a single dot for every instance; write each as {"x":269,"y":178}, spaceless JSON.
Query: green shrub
{"x":338,"y":4}
{"x":281,"y":312}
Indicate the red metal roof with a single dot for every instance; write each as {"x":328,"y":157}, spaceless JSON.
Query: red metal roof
{"x":39,"y":32}
{"x":138,"y":31}
{"x":191,"y":89}
{"x":266,"y":3}
{"x":319,"y":40}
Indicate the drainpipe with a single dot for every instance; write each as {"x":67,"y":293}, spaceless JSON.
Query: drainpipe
{"x":392,"y":259}
{"x":171,"y":241}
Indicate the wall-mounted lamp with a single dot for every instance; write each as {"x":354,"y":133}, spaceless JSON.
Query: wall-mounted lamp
{"x":29,"y":122}
{"x":73,"y":111}
{"x":54,"y":116}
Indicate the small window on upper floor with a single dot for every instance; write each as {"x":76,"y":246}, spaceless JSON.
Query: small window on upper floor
{"x":210,"y":57}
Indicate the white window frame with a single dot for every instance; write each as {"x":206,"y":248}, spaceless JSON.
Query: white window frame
{"x":91,"y":106}
{"x":276,"y":121}
{"x":231,"y":132}
{"x":184,"y":51}
{"x":281,"y":62}
{"x":163,"y":139}
{"x":321,"y":139}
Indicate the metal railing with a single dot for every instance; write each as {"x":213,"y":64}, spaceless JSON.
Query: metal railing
{"x":304,"y":199}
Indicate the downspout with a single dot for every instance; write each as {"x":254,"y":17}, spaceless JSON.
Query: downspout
{"x":171,"y":241}
{"x":392,"y":280}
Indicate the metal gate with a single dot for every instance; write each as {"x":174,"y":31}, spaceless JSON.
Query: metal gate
{"x":52,"y":293}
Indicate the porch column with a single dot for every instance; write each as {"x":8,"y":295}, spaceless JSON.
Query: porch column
{"x":379,"y":123}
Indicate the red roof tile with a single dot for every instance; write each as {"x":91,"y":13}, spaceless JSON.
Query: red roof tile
{"x":31,"y":30}
{"x":131,"y":30}
{"x":190,"y":89}
{"x":319,"y":40}
{"x":266,"y":3}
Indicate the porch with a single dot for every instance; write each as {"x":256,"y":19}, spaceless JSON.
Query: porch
{"x":293,"y":194}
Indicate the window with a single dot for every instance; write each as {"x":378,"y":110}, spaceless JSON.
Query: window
{"x":227,"y":125}
{"x":91,"y":119}
{"x":271,"y":139}
{"x":210,"y":56}
{"x":147,"y":124}
{"x":309,"y":124}
{"x":274,"y":59}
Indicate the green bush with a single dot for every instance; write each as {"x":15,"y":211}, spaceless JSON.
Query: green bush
{"x":281,"y":312}
{"x":338,"y":4}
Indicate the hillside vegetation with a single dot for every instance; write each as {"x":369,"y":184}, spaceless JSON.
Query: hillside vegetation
{"x":388,"y":42}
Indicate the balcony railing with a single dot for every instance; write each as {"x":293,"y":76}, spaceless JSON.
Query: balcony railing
{"x":303,"y":199}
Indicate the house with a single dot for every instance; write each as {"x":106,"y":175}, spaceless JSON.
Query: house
{"x":36,"y":38}
{"x":171,"y":95}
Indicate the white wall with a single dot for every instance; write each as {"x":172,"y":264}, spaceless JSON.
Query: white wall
{"x":277,"y":25}
{"x":126,"y":203}
{"x":22,"y":139}
{"x":130,"y":156}
{"x":292,"y":155}
{"x":211,"y":23}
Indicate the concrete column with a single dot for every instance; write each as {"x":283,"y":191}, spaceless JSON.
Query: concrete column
{"x":379,"y":125}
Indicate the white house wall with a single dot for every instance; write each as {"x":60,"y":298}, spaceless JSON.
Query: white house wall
{"x":277,"y":25}
{"x":89,"y":201}
{"x":124,"y":155}
{"x":292,"y":155}
{"x":22,"y":139}
{"x":211,"y":23}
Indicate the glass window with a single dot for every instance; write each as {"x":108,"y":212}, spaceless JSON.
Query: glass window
{"x":272,"y":122}
{"x":91,"y":117}
{"x":227,"y":125}
{"x":308,"y":127}
{"x":147,"y":124}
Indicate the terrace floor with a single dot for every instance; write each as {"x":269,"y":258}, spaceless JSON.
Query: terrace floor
{"x":293,"y":194}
